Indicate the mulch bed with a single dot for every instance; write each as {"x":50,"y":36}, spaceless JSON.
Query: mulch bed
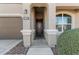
{"x":18,"y":50}
{"x":55,"y":51}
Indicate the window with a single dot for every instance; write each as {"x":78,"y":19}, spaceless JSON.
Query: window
{"x":63,"y":22}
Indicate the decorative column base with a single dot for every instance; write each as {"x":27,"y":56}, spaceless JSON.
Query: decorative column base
{"x":26,"y":37}
{"x":51,"y":37}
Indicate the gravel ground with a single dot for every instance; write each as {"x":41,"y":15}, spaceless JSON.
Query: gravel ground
{"x":21,"y":50}
{"x":18,"y":50}
{"x":55,"y":51}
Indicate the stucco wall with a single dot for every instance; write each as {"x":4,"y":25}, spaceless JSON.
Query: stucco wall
{"x":77,"y":20}
{"x":51,"y":16}
{"x":10,"y":8}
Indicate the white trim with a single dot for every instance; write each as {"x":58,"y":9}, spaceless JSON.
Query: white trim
{"x":33,"y":30}
{"x":51,"y":31}
{"x":62,"y":24}
{"x":11,"y":15}
{"x":26,"y":32}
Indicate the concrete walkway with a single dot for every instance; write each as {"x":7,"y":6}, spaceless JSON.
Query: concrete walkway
{"x":7,"y":44}
{"x":40,"y":47}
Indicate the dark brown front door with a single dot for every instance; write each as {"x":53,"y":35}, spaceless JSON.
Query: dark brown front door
{"x":39,"y":17}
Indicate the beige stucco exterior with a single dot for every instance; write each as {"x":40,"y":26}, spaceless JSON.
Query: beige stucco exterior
{"x":14,"y":20}
{"x":10,"y":21}
{"x":10,"y":8}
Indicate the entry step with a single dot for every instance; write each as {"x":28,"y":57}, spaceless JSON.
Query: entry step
{"x":40,"y":47}
{"x":40,"y":51}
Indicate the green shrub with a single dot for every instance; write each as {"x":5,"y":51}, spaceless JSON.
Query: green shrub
{"x":68,"y":42}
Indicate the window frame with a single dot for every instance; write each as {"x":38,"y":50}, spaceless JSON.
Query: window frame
{"x":62,"y":24}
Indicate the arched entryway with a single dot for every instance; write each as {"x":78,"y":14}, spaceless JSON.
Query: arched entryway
{"x":29,"y":23}
{"x":38,"y":17}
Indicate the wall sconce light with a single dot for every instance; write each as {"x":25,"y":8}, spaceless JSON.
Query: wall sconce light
{"x":25,"y":11}
{"x":25,"y":17}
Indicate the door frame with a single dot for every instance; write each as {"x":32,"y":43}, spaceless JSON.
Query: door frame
{"x":32,"y":17}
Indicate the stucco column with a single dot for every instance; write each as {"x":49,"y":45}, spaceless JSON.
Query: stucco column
{"x":26,"y":25}
{"x":76,"y":20}
{"x":51,"y":31}
{"x":51,"y":16}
